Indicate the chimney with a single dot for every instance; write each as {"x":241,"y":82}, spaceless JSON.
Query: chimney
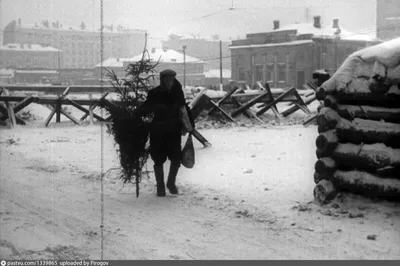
{"x":153,"y":50}
{"x":335,"y":23}
{"x":317,"y":22}
{"x":276,"y":24}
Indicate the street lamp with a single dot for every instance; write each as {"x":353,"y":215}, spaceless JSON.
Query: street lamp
{"x":184,"y":66}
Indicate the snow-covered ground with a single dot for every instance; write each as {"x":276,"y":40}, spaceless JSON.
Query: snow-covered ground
{"x":250,"y":196}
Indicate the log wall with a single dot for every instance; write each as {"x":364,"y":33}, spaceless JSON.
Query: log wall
{"x":358,"y":146}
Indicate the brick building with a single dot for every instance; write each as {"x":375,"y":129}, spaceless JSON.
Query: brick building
{"x":388,"y":19}
{"x":288,"y":55}
{"x":207,"y":50}
{"x":81,"y":46}
{"x":168,"y":59}
{"x":27,"y":56}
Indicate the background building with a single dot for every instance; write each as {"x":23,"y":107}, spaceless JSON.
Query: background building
{"x":207,"y":50}
{"x":81,"y":46}
{"x":212,"y":77}
{"x":170,"y":59}
{"x":388,"y":19}
{"x":30,"y":56}
{"x":288,"y":55}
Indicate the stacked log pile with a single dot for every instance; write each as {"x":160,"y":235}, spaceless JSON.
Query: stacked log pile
{"x":358,"y":147}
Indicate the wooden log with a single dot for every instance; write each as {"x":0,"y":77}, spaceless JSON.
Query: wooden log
{"x":197,"y":98}
{"x":381,"y":100}
{"x":350,"y":112}
{"x":250,"y":103}
{"x":228,"y":95}
{"x":201,"y":104}
{"x":238,"y":104}
{"x":320,"y":106}
{"x":369,"y":132}
{"x":367,"y":184}
{"x":330,"y":101}
{"x":46,"y":123}
{"x":277,"y":100}
{"x":93,"y":106}
{"x":310,"y":120}
{"x":319,"y":154}
{"x":295,"y":107}
{"x":83,"y":89}
{"x":274,"y":108}
{"x":10,"y":110}
{"x":327,"y":118}
{"x":24,"y":103}
{"x":4,"y":117}
{"x":324,"y":192}
{"x":359,"y":130}
{"x":58,"y":109}
{"x":325,"y":165}
{"x":222,"y":111}
{"x":380,"y":87}
{"x":368,"y":157}
{"x":321,"y":176}
{"x":327,"y":142}
{"x":321,"y":93}
{"x":91,"y":121}
{"x":363,"y":90}
{"x":70,"y":117}
{"x":201,"y":139}
{"x":248,"y":113}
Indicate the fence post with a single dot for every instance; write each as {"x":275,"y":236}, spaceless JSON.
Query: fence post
{"x":91,"y":122}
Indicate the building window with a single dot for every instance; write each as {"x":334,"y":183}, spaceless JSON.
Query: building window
{"x":270,"y":74}
{"x":281,"y":74}
{"x":241,"y":74}
{"x":259,"y":73}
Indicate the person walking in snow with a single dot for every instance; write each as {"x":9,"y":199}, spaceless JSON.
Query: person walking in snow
{"x":171,"y":121}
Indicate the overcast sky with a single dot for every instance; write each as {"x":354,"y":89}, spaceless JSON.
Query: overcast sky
{"x":161,"y":17}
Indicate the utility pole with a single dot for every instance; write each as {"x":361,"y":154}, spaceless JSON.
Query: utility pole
{"x":59,"y":67}
{"x":220,"y":66}
{"x":184,"y":66}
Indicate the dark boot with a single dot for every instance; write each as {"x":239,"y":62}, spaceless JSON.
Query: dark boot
{"x":159,"y":173}
{"x":173,"y":171}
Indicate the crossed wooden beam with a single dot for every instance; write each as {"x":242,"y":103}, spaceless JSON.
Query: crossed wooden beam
{"x":10,"y":113}
{"x":269,"y":102}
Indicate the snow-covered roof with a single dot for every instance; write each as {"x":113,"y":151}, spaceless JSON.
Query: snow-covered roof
{"x":271,"y":44}
{"x":215,"y":73}
{"x":325,"y":32}
{"x":113,"y":62}
{"x":27,"y":47}
{"x":181,"y":36}
{"x":77,"y":28}
{"x":167,"y":56}
{"x":37,"y":71}
{"x":6,"y":72}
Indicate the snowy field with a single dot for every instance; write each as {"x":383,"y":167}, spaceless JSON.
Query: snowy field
{"x":249,"y":196}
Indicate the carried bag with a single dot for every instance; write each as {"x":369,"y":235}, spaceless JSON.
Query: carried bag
{"x":188,"y":156}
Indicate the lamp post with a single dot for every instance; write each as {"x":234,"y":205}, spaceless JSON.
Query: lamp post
{"x":184,"y":66}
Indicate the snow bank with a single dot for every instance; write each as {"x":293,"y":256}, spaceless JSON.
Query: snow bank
{"x":382,"y":60}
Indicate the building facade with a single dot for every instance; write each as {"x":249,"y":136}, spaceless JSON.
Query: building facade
{"x":388,"y":19}
{"x":287,"y":56}
{"x":81,"y":47}
{"x":207,"y":50}
{"x":168,"y":59}
{"x":27,"y":56}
